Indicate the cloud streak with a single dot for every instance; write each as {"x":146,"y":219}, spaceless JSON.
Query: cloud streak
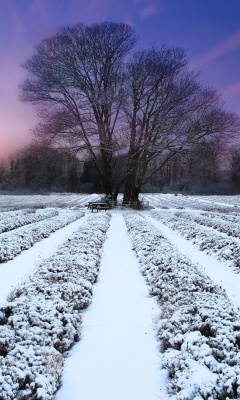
{"x":149,"y":9}
{"x":231,"y":91}
{"x":226,"y":46}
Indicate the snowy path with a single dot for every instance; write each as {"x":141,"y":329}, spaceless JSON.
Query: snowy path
{"x":220,"y":274}
{"x":14,"y":271}
{"x":117,"y":357}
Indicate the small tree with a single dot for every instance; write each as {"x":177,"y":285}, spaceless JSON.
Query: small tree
{"x":40,"y":166}
{"x":3,"y":172}
{"x":235,"y":164}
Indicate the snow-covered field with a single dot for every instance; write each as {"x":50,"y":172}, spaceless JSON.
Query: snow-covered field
{"x":133,"y":305}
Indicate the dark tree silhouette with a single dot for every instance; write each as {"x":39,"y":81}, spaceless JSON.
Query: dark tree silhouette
{"x":167,"y":113}
{"x":93,"y":100}
{"x":79,"y":74}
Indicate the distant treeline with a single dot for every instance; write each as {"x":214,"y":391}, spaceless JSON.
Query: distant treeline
{"x":209,"y":168}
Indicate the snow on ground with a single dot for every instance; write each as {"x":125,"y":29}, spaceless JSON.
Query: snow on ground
{"x":16,"y":270}
{"x":117,"y":357}
{"x":217,"y":271}
{"x":42,"y":317}
{"x":193,"y":202}
{"x":199,"y":327}
{"x":51,"y":200}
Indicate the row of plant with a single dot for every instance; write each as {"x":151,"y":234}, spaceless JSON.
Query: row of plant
{"x":232,"y":216}
{"x":232,"y":201}
{"x":185,"y":202}
{"x":215,"y":202}
{"x":14,"y":219}
{"x":224,"y":248}
{"x":199,"y":328}
{"x":14,"y":242}
{"x":166,"y":201}
{"x":53,"y":200}
{"x":230,"y":228}
{"x":42,"y":318}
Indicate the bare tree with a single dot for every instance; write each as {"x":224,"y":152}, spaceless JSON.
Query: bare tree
{"x":3,"y":172}
{"x":167,"y":113}
{"x":148,"y":109}
{"x":235,"y":164}
{"x":79,"y":76}
{"x":38,"y":166}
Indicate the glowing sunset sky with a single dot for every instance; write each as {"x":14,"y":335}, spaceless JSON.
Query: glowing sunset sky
{"x":208,"y":29}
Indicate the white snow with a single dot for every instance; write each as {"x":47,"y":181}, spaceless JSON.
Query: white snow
{"x":117,"y":357}
{"x":16,"y":270}
{"x":191,"y":302}
{"x":216,"y":270}
{"x":42,"y":319}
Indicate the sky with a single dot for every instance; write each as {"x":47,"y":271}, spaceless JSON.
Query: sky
{"x":209,"y":30}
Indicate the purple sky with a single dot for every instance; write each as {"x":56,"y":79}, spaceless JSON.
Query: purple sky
{"x":208,"y":29}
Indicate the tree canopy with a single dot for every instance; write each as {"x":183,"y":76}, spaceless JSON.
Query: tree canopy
{"x":101,"y":99}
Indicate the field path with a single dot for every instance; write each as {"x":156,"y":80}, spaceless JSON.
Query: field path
{"x":117,"y":357}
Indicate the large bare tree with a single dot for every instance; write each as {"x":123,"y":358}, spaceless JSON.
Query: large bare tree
{"x":78,"y":80}
{"x":167,"y":113}
{"x":149,"y":107}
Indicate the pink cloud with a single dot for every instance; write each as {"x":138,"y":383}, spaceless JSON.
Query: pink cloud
{"x":150,"y":8}
{"x":16,"y":118}
{"x":231,"y":91}
{"x":15,"y":126}
{"x":224,"y":47}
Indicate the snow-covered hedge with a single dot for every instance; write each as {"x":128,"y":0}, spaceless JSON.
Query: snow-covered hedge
{"x":231,"y":228}
{"x":14,"y":219}
{"x":230,"y":217}
{"x":41,"y":321}
{"x":14,"y":242}
{"x":210,"y":203}
{"x":199,"y":327}
{"x":224,"y":248}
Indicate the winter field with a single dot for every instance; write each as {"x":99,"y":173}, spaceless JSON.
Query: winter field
{"x":119,"y":305}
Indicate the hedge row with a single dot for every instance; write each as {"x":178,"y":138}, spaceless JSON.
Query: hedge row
{"x":230,"y":228}
{"x":14,"y":242}
{"x":224,"y":248}
{"x":42,"y":319}
{"x":199,"y":328}
{"x":14,"y":219}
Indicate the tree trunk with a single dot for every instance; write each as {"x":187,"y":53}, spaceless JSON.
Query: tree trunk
{"x":131,"y":185}
{"x":107,"y":173}
{"x":131,"y":189}
{"x":107,"y":183}
{"x":131,"y":193}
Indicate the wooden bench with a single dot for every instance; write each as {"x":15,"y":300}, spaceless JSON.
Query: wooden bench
{"x":98,"y":206}
{"x":107,"y":205}
{"x":90,"y":204}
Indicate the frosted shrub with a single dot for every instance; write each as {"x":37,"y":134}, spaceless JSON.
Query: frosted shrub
{"x":41,"y":321}
{"x":13,"y":243}
{"x":222,"y":247}
{"x":199,"y":328}
{"x":14,"y":219}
